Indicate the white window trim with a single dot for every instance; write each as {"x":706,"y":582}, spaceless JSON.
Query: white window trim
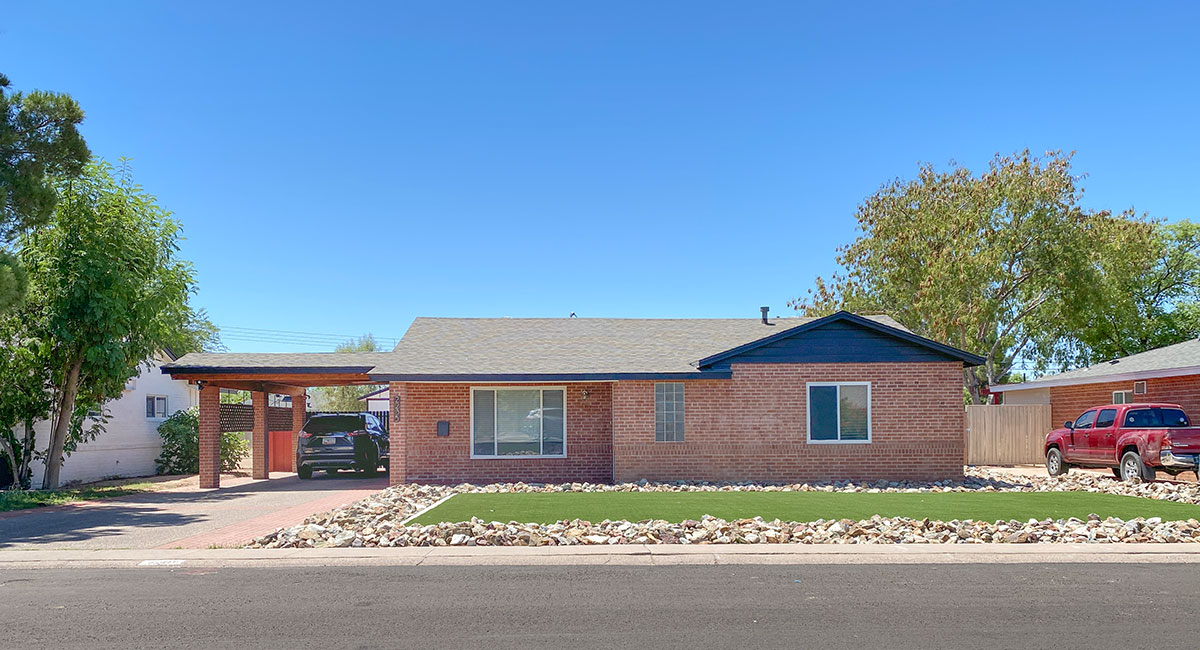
{"x":166,"y":407}
{"x":808,"y":413}
{"x":1131,"y":400}
{"x":1137,"y":385}
{"x":471,"y":432}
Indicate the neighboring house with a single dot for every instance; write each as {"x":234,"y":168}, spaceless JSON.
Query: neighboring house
{"x":1169,"y":374}
{"x":130,"y":442}
{"x":551,"y":400}
{"x":377,"y":400}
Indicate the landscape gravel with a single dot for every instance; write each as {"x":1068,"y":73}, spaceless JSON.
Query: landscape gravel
{"x":380,"y":520}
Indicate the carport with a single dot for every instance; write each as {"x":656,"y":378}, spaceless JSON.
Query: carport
{"x":262,"y":375}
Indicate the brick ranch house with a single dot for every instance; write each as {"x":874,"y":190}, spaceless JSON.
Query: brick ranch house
{"x":603,"y":400}
{"x":1169,"y":374}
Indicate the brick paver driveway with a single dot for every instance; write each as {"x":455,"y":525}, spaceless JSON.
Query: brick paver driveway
{"x":188,"y":518}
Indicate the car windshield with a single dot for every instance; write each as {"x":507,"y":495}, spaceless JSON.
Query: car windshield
{"x":1156,"y":417}
{"x":334,"y":424}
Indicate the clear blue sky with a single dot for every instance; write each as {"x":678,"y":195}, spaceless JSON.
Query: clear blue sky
{"x":341,"y":168}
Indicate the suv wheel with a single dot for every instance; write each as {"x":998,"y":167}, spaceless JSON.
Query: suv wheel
{"x":1054,"y":462}
{"x":1133,"y":470}
{"x":304,"y":472}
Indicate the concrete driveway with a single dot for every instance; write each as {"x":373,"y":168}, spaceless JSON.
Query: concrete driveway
{"x":186,"y":518}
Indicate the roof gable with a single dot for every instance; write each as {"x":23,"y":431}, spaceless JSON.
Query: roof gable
{"x":842,"y":337}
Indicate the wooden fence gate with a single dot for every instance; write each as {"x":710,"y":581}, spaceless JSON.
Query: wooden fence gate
{"x":1006,"y":434}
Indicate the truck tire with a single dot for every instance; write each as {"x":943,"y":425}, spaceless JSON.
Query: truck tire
{"x":1055,"y":464}
{"x":1133,"y":470}
{"x":304,"y":472}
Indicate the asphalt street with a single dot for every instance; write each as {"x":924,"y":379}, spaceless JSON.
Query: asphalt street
{"x":757,"y":606}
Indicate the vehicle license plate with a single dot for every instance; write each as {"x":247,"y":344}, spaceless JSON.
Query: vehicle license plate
{"x":329,"y":441}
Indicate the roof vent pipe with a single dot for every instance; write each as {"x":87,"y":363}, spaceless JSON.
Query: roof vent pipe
{"x":764,"y":311}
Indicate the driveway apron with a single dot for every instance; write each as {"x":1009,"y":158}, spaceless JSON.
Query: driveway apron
{"x":188,"y":518}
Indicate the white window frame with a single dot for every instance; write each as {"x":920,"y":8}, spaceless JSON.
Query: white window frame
{"x":1139,"y":388}
{"x":166,"y":406}
{"x":1124,"y":398}
{"x":838,"y":416}
{"x":541,"y":440}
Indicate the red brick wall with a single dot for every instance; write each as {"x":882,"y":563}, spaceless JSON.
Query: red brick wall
{"x":1068,"y":402}
{"x":428,"y":458}
{"x":210,"y":437}
{"x":753,"y":427}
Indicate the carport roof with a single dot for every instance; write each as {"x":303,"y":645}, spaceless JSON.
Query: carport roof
{"x":299,"y":363}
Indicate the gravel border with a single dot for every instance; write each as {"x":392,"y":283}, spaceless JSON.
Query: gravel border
{"x":380,"y":520}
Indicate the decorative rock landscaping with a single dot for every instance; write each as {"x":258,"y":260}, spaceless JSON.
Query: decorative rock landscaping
{"x":378,"y":521}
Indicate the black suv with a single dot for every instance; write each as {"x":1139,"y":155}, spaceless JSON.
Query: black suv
{"x":333,"y":441}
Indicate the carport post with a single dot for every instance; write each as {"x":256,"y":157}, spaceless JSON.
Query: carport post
{"x":210,"y":436}
{"x":259,"y":438}
{"x":299,"y":410}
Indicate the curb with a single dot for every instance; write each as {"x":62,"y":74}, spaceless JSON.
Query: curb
{"x":625,"y":555}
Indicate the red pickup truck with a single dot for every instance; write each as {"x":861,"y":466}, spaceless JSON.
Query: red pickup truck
{"x":1135,"y":440}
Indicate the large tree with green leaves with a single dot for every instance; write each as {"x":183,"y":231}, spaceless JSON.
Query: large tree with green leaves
{"x":39,"y":143}
{"x":345,"y":398}
{"x":1142,"y":302}
{"x":999,"y":263}
{"x":107,"y":290}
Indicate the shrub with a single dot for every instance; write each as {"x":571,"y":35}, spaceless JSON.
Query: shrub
{"x":181,"y":445}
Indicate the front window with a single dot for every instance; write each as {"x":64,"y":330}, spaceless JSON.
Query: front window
{"x":517,"y":422}
{"x":156,"y":406}
{"x":1085,"y":421}
{"x":668,"y":412}
{"x":839,"y":413}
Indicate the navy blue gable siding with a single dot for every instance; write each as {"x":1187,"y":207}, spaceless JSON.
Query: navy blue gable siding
{"x":839,"y":341}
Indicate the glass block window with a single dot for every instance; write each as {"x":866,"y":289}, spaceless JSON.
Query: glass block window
{"x":839,"y":412}
{"x":668,"y":412}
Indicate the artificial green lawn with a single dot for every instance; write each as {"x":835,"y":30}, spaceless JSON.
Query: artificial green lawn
{"x":799,"y":506}
{"x":24,"y":499}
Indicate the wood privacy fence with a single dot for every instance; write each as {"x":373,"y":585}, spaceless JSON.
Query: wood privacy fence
{"x":1006,"y":434}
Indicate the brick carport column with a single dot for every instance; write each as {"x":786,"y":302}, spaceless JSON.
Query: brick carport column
{"x":259,"y":437}
{"x":299,"y":409}
{"x":397,"y":451}
{"x":210,"y":437}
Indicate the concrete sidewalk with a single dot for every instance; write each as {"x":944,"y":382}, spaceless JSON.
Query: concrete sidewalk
{"x":638,"y":555}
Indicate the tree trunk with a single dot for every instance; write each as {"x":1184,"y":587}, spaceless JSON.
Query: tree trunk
{"x":58,"y":437}
{"x":10,"y":453}
{"x":27,"y":456}
{"x":972,"y":383}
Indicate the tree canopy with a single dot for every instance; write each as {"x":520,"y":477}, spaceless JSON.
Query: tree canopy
{"x":345,"y":398}
{"x":1006,"y":264}
{"x":106,"y":292}
{"x":39,"y":143}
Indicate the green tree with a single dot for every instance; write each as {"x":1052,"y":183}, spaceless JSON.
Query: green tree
{"x":106,"y":291}
{"x":999,"y":263}
{"x":1147,"y":301}
{"x":39,"y":142}
{"x":345,"y":398}
{"x":24,"y":397}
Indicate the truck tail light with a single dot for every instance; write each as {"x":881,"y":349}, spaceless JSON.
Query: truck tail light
{"x":355,"y":434}
{"x":305,"y":434}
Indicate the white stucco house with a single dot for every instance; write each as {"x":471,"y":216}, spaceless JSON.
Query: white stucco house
{"x":130,"y":442}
